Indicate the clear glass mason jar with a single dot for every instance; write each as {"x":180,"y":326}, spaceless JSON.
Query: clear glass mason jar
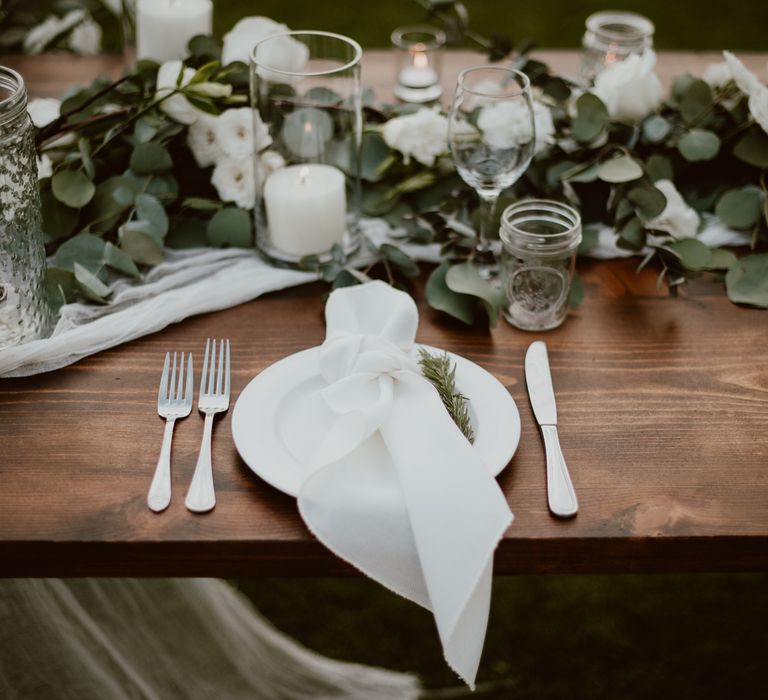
{"x":305,"y":87}
{"x":24,"y":310}
{"x":539,"y":240}
{"x":610,"y":37}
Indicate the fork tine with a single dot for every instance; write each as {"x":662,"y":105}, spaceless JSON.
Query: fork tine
{"x":172,"y":380}
{"x":190,"y":382}
{"x":226,"y":381}
{"x":161,"y":392}
{"x":205,"y":367}
{"x":212,"y":368}
{"x":221,"y":367}
{"x":180,"y":383}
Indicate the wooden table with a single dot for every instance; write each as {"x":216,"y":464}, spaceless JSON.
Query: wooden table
{"x":662,"y":404}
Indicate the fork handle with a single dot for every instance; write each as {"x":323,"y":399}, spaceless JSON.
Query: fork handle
{"x":159,"y":495}
{"x":201,"y":497}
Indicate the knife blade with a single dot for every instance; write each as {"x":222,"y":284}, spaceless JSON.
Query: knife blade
{"x":561,"y":496}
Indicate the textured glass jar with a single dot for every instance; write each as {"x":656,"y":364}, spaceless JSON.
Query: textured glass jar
{"x":24,"y":311}
{"x":539,"y":240}
{"x":612,"y":36}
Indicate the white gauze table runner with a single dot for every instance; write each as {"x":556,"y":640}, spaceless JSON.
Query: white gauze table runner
{"x":396,"y":489}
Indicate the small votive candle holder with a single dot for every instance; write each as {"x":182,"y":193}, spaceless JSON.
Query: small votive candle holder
{"x":160,"y":30}
{"x":612,"y":36}
{"x":539,"y":239}
{"x":419,"y":61}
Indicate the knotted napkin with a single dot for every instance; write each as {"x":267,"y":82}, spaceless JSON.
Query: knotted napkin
{"x":396,"y":489}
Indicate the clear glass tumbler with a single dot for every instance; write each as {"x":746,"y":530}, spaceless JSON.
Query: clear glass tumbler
{"x":612,"y":36}
{"x":24,"y":310}
{"x":305,"y":87}
{"x":419,"y":53}
{"x":539,"y":242}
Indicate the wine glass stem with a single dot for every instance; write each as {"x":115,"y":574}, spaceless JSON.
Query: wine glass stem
{"x":484,"y":256}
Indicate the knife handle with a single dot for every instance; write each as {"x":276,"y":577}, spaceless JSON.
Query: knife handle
{"x":560,"y":493}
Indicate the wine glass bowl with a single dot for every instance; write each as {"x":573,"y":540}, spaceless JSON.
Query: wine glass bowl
{"x":491,"y":135}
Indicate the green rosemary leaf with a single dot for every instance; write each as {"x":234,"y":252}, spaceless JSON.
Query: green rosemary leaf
{"x":441,"y":373}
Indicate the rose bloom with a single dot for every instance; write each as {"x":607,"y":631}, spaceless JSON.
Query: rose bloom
{"x":235,"y":181}
{"x":677,"y":219}
{"x":85,"y":38}
{"x":422,"y":135}
{"x":508,"y":124}
{"x":202,"y":141}
{"x":235,"y":132}
{"x":751,"y":86}
{"x":630,"y":89}
{"x":176,"y":107}
{"x":717,"y":75}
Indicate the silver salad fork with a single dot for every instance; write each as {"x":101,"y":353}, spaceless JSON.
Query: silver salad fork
{"x":214,"y":398}
{"x":172,"y":404}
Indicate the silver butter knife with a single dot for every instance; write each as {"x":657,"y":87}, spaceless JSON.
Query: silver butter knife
{"x":560,"y":493}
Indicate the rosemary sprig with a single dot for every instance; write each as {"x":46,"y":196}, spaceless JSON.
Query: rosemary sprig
{"x":438,"y":370}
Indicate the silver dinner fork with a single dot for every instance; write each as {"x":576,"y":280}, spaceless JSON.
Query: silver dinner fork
{"x":214,"y":398}
{"x":172,"y":404}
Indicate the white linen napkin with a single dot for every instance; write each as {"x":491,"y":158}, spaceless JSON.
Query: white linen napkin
{"x":396,"y":489}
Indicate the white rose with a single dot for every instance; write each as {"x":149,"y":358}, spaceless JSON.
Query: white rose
{"x":284,"y":54}
{"x":630,"y":89}
{"x":176,"y":107}
{"x":235,"y":132}
{"x":202,"y":141}
{"x":38,"y":38}
{"x":678,"y":218}
{"x":717,"y":75}
{"x":44,"y":167}
{"x":85,"y":38}
{"x":508,"y":124}
{"x":43,"y":111}
{"x":269,"y":162}
{"x":235,"y":181}
{"x":750,"y":85}
{"x":422,"y":135}
{"x":249,"y":31}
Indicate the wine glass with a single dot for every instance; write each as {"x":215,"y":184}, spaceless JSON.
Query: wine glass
{"x":491,"y":136}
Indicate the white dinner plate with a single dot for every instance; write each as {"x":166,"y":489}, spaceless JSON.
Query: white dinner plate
{"x":256,"y":418}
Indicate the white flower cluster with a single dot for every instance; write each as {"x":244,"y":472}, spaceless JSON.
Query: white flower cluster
{"x":630,"y":89}
{"x":751,"y":86}
{"x":422,"y":135}
{"x":285,"y":54}
{"x":84,"y":33}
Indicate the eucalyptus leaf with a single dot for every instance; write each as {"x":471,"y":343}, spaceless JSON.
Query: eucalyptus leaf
{"x":59,"y":220}
{"x":60,"y":287}
{"x":722,"y":259}
{"x":375,"y":157}
{"x":696,"y":99}
{"x":402,"y":260}
{"x":90,"y":285}
{"x":632,"y":235}
{"x":112,"y":198}
{"x":649,"y":201}
{"x":84,"y":249}
{"x":149,"y":209}
{"x":148,"y":158}
{"x":589,"y":239}
{"x":622,"y":168}
{"x":464,"y":278}
{"x":659,"y":167}
{"x":752,"y":148}
{"x":698,"y":145}
{"x":591,"y":118}
{"x":740,"y":209}
{"x":442,"y":298}
{"x":747,"y":281}
{"x":656,"y":128}
{"x":142,"y":247}
{"x":693,"y":254}
{"x":230,"y":227}
{"x":73,"y":188}
{"x":187,"y":232}
{"x":584,"y":172}
{"x":119,"y":260}
{"x":306,"y":131}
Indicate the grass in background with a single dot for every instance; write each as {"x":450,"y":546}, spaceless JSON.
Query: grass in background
{"x":551,"y":638}
{"x":680,"y":24}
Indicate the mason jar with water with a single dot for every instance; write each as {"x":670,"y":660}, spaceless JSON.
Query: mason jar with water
{"x":539,"y":243}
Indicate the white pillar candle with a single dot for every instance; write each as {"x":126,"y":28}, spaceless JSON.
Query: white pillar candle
{"x":306,"y":208}
{"x":164,"y":27}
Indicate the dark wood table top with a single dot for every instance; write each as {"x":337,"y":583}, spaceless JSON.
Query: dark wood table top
{"x":662,"y":408}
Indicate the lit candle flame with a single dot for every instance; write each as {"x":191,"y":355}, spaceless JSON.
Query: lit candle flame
{"x":420,"y":60}
{"x":304,"y":173}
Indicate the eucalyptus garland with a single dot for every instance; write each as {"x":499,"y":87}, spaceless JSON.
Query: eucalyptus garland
{"x":125,"y":172}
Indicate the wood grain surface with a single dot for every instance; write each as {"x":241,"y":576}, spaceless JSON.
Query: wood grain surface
{"x":662,"y":409}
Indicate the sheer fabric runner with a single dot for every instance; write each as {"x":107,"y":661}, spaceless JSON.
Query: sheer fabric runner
{"x":163,"y":639}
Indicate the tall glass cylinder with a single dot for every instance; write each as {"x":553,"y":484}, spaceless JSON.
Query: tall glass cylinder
{"x":612,"y":36}
{"x":305,"y":89}
{"x":24,"y":311}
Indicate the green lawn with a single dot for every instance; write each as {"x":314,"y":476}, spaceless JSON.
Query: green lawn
{"x":682,"y":24}
{"x":553,"y":638}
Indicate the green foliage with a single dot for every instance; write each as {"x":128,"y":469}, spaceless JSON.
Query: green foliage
{"x":747,"y":281}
